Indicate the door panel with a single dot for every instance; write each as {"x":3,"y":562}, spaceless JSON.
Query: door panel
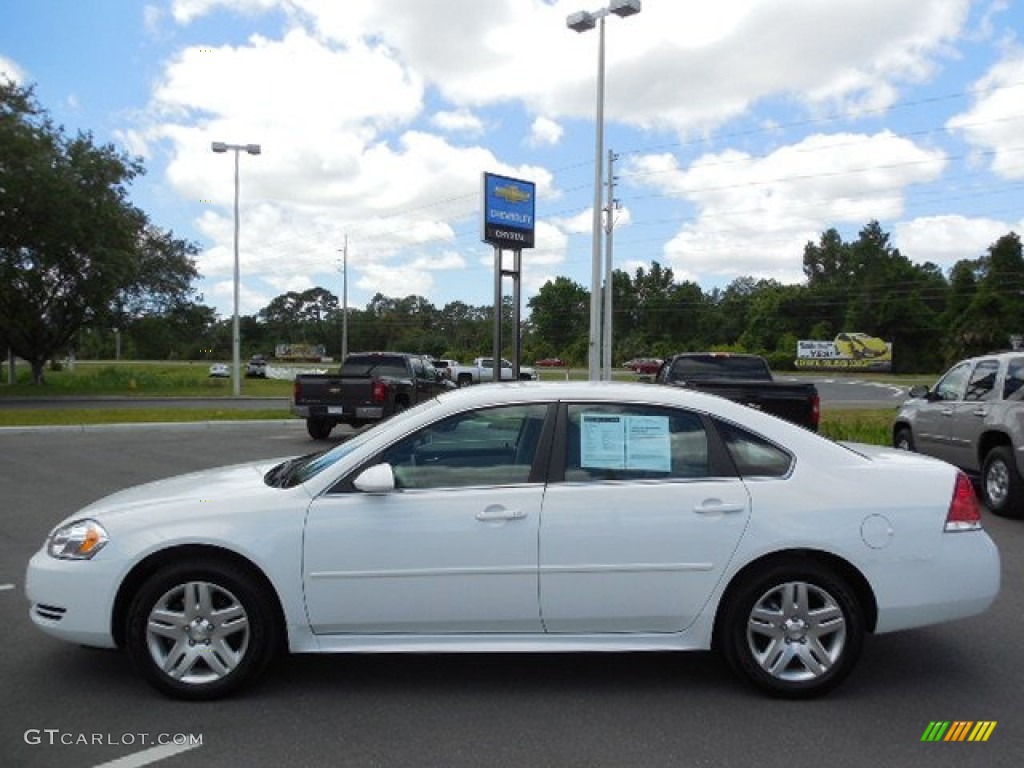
{"x":434,"y":561}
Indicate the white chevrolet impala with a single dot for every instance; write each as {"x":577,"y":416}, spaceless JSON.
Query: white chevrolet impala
{"x":527,"y":517}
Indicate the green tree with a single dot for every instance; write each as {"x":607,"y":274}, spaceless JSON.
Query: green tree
{"x":73,"y":250}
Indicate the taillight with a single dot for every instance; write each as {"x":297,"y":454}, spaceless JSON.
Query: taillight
{"x":964,"y":511}
{"x":380,"y":392}
{"x":296,"y":391}
{"x":815,"y":411}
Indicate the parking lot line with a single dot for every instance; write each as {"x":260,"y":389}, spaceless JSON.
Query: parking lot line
{"x":148,"y":756}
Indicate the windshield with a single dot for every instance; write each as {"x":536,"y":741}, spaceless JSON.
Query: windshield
{"x":298,"y":470}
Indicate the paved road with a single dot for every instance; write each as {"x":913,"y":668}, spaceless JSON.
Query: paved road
{"x":563,"y":711}
{"x":835,"y":393}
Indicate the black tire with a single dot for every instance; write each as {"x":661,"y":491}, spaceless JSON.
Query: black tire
{"x":903,"y":439}
{"x":793,"y":630}
{"x":319,"y":429}
{"x":464,"y":380}
{"x":1000,"y":483}
{"x":200,"y":630}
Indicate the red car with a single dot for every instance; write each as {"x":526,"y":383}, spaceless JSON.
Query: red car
{"x":551,"y":362}
{"x":643,"y":364}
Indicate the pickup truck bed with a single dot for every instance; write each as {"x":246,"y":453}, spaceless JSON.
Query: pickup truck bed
{"x":744,"y":379}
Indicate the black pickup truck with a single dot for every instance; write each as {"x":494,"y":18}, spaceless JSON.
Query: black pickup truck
{"x":370,"y":386}
{"x":744,"y":379}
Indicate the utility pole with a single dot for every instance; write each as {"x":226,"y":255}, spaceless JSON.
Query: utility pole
{"x":344,"y":300}
{"x":609,"y":224}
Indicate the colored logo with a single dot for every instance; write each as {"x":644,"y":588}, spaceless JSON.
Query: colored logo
{"x":512,"y":193}
{"x":958,"y":730}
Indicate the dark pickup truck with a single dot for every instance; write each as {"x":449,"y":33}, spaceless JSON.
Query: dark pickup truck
{"x":369,"y":387}
{"x":744,"y":379}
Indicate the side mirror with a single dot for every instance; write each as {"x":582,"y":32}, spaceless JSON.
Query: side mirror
{"x":379,"y":478}
{"x":919,"y":391}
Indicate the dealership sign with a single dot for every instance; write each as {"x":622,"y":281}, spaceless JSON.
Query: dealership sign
{"x":509,"y":208}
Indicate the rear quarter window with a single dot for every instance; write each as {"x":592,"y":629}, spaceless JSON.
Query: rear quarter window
{"x":753,"y":455}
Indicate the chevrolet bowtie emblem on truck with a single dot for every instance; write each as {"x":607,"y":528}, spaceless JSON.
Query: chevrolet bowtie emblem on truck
{"x":512,"y":193}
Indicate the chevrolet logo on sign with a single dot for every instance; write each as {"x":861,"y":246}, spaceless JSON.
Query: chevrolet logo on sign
{"x":512,"y":193}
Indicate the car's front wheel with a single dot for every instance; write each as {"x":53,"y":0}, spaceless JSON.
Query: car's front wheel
{"x":794,"y":631}
{"x":903,"y":439}
{"x":1001,"y":484}
{"x":199,"y":630}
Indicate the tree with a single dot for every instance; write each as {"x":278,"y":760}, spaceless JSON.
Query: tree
{"x":73,"y":250}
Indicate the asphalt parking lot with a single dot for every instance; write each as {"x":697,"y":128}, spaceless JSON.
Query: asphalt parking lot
{"x":72,"y":707}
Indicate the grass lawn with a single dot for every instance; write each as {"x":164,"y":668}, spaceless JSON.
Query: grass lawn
{"x":191,"y":379}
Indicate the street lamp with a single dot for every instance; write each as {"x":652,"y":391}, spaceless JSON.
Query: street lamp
{"x":583,"y":21}
{"x":236,"y":334}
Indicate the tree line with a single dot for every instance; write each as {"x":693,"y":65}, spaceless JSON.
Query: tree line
{"x":84,"y":272}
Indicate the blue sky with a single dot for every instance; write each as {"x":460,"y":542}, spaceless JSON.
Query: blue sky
{"x":744,"y":128}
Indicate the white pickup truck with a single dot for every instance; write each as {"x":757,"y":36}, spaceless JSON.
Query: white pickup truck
{"x":482,"y":370}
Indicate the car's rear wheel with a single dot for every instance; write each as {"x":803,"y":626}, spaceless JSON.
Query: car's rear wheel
{"x":1001,"y":484}
{"x":792,"y":630}
{"x":319,"y":429}
{"x":903,"y":439}
{"x":464,"y":380}
{"x":200,"y":630}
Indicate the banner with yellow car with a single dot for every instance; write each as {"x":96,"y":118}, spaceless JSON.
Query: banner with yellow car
{"x":847,"y":352}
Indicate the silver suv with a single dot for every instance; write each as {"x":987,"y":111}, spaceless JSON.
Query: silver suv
{"x":974,"y":418}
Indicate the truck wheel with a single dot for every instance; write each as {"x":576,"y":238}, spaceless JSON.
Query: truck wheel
{"x":319,"y":429}
{"x":1001,"y":483}
{"x":903,"y":439}
{"x":464,"y":380}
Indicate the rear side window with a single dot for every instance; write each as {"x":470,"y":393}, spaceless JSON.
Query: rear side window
{"x":1012,"y":385}
{"x":632,"y":442}
{"x":753,"y":455}
{"x":981,"y":385}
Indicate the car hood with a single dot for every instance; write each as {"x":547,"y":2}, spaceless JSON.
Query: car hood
{"x":191,"y":490}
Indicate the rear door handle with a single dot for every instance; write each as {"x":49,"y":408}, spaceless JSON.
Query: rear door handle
{"x":491,"y":514}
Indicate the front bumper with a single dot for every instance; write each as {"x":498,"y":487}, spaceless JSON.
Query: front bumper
{"x":73,"y":599}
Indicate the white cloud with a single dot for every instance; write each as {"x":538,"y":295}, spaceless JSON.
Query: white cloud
{"x":458,"y":121}
{"x":755,"y":213}
{"x":544,"y":132}
{"x":994,"y":123}
{"x":945,"y":240}
{"x":9,"y":70}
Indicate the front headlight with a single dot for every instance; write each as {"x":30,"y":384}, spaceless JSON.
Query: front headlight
{"x":79,"y":540}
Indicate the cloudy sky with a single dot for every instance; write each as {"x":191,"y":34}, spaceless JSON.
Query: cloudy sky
{"x":743,"y":129}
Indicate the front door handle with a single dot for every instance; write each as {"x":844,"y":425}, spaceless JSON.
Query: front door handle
{"x":718,"y":507}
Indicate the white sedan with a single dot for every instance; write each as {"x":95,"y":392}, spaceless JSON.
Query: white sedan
{"x":527,"y":517}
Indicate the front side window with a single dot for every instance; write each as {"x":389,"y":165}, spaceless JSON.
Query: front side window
{"x":633,"y":442}
{"x":492,"y":446}
{"x":951,"y":386}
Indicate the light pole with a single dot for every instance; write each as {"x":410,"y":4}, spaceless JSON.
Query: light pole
{"x":236,"y":334}
{"x":582,"y":21}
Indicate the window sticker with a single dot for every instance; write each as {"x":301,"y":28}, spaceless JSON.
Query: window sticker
{"x":618,"y":441}
{"x":647,"y":443}
{"x":602,"y":441}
